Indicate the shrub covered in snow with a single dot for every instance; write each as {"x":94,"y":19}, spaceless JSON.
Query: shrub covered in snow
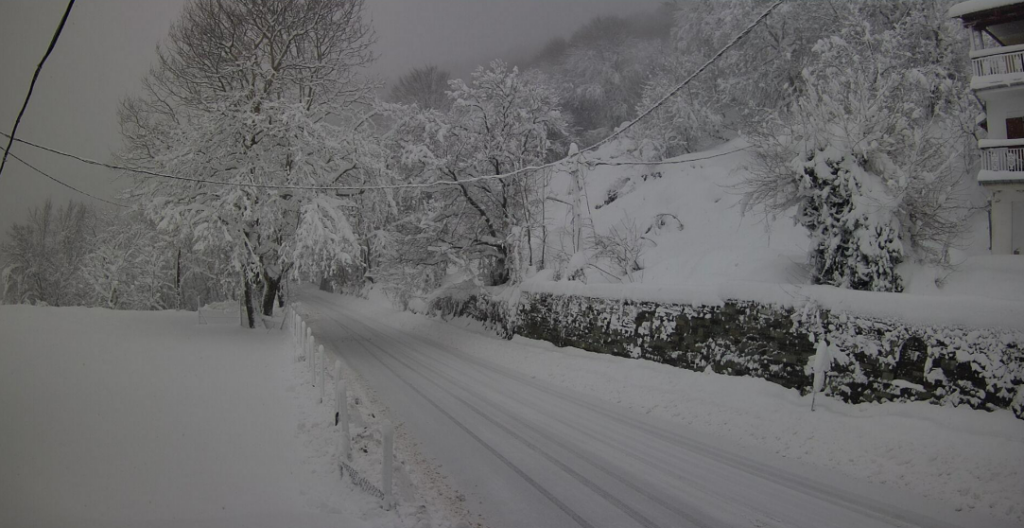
{"x":855,"y":241}
{"x":873,"y":149}
{"x":466,"y":299}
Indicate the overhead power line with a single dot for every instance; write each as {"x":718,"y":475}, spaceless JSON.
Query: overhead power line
{"x":32,"y":85}
{"x":69,"y":186}
{"x":735,"y":40}
{"x":146,"y":172}
{"x":438,"y":183}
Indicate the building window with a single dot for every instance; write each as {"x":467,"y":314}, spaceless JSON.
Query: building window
{"x":1015,"y":128}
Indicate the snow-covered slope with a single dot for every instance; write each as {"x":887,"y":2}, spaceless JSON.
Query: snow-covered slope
{"x":713,"y":242}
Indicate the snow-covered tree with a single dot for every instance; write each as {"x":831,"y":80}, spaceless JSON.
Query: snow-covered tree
{"x":43,"y":258}
{"x":136,"y":266}
{"x":132,"y":266}
{"x":252,"y":93}
{"x":685,"y":122}
{"x":871,"y":151}
{"x":855,"y":237}
{"x":600,"y":71}
{"x":501,"y":122}
{"x":425,"y":87}
{"x":605,"y":81}
{"x":759,"y":76}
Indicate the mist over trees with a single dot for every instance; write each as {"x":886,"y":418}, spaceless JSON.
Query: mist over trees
{"x":425,"y":87}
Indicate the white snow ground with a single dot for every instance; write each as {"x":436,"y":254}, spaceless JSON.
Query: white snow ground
{"x":147,"y":419}
{"x":120,"y":419}
{"x":533,"y":435}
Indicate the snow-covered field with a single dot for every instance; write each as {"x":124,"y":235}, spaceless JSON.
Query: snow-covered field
{"x":968,"y":459}
{"x":149,"y":419}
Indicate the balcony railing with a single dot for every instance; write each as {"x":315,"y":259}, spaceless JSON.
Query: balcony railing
{"x":1010,"y":159}
{"x":999,"y":64}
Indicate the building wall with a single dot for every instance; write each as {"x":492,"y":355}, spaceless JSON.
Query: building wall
{"x":1017,"y":234}
{"x":1000,"y":105}
{"x":1007,"y":227}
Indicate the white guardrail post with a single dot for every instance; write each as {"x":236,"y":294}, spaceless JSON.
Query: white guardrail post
{"x":308,"y":333}
{"x":312,"y":360}
{"x":387,"y":433}
{"x":341,"y":418}
{"x":323,"y":371}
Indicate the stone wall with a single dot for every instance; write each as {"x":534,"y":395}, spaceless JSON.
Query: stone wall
{"x":875,"y":359}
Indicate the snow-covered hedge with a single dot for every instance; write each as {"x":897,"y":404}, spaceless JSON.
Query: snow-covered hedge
{"x":885,"y":359}
{"x":467,"y":300}
{"x":873,"y":359}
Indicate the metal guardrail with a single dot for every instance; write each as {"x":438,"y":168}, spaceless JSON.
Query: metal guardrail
{"x":307,"y":350}
{"x":360,"y":480}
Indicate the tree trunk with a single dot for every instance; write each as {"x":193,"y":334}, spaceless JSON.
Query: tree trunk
{"x":499,"y":272}
{"x":270,"y":287}
{"x":177,"y":278}
{"x":250,"y":310}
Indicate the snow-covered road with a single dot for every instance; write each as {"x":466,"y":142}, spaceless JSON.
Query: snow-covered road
{"x":525,"y":452}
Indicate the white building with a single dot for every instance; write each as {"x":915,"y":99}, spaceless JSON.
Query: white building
{"x":997,"y":54}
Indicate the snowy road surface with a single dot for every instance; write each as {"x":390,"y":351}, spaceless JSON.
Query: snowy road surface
{"x":530,"y":453}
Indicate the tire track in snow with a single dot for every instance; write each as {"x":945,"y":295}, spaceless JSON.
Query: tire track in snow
{"x":756,"y":518}
{"x":767,"y":515}
{"x":693,"y":520}
{"x":640,"y":518}
{"x":576,"y":517}
{"x":880,"y":512}
{"x":891,"y":516}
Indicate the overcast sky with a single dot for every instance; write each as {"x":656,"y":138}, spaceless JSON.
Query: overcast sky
{"x":107,"y":47}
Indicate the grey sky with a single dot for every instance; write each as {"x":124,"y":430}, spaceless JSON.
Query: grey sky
{"x":108,"y":45}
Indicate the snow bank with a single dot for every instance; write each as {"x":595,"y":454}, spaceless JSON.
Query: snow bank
{"x":150,"y":419}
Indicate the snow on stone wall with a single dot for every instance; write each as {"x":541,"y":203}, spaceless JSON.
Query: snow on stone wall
{"x":875,"y":359}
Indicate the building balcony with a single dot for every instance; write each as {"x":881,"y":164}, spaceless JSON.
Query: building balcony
{"x":1002,"y":160}
{"x":996,"y":67}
